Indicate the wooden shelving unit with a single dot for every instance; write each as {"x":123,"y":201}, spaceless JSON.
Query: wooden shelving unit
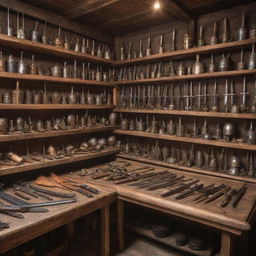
{"x":233,"y":73}
{"x":29,"y":45}
{"x":53,"y":106}
{"x":215,"y":143}
{"x":181,"y":54}
{"x":49,"y":134}
{"x":57,"y":251}
{"x":169,"y":241}
{"x":189,"y":169}
{"x":49,"y":163}
{"x":187,"y":113}
{"x":62,"y":80}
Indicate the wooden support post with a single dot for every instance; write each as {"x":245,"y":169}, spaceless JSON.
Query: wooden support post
{"x":105,"y":232}
{"x":120,"y":224}
{"x":227,"y":244}
{"x":116,"y":96}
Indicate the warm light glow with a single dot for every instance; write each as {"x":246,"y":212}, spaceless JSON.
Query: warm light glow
{"x":157,"y":5}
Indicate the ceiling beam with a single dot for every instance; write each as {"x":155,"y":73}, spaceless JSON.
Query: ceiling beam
{"x":89,"y":6}
{"x":177,"y":8}
{"x":57,"y":20}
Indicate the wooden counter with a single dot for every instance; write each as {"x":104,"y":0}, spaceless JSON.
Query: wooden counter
{"x":230,"y":221}
{"x":36,"y":224}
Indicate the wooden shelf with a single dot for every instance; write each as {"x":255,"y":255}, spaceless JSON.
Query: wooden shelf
{"x":57,"y":251}
{"x":187,"y":113}
{"x":180,"y":54}
{"x":170,"y":241}
{"x":233,"y":73}
{"x":37,"y":135}
{"x":49,"y":163}
{"x":189,"y":169}
{"x":28,"y":45}
{"x":30,"y":77}
{"x":215,"y":143}
{"x":52,"y":106}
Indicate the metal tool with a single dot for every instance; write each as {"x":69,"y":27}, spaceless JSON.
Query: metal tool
{"x":200,"y":41}
{"x":217,"y":195}
{"x":238,"y":196}
{"x":179,"y":189}
{"x":243,"y":30}
{"x":148,"y":50}
{"x":213,"y":37}
{"x":44,"y":37}
{"x":189,"y":192}
{"x":9,"y":28}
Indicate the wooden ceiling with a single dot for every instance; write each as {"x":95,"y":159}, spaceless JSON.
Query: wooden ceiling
{"x":118,"y":17}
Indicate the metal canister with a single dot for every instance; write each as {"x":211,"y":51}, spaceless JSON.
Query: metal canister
{"x":21,"y":68}
{"x":55,"y":98}
{"x":10,"y":64}
{"x":243,"y":31}
{"x":252,"y":33}
{"x":113,"y":119}
{"x":56,"y":70}
{"x":187,"y":41}
{"x":72,"y":97}
{"x":181,"y":71}
{"x":71,"y":121}
{"x":35,"y":37}
{"x":98,"y":99}
{"x":65,"y":70}
{"x":212,"y":65}
{"x":7,"y":98}
{"x":252,"y":59}
{"x":20,"y":124}
{"x":124,"y":125}
{"x":37,"y":98}
{"x":213,"y":37}
{"x":90,"y":98}
{"x":3,"y":125}
{"x":28,"y":97}
{"x":224,"y":63}
{"x":198,"y":66}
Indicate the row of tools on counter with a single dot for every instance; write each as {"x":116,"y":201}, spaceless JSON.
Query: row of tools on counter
{"x":188,"y":41}
{"x":85,"y":72}
{"x":28,"y":96}
{"x":189,"y":97}
{"x":51,"y":152}
{"x":227,"y":131}
{"x":147,"y":178}
{"x":163,"y":69}
{"x":86,"y":46}
{"x":222,"y":161}
{"x":22,"y":125}
{"x":30,"y":196}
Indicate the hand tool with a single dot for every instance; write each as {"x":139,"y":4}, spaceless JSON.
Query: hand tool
{"x":228,"y":197}
{"x":217,"y":195}
{"x":180,"y":189}
{"x":239,"y":194}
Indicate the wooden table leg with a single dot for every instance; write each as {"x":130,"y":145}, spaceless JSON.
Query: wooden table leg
{"x":105,"y":232}
{"x":227,"y":244}
{"x":120,"y":224}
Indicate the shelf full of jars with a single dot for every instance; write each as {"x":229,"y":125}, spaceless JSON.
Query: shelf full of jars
{"x":179,"y":43}
{"x":195,"y":110}
{"x":220,"y":162}
{"x":30,"y":33}
{"x":27,"y":155}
